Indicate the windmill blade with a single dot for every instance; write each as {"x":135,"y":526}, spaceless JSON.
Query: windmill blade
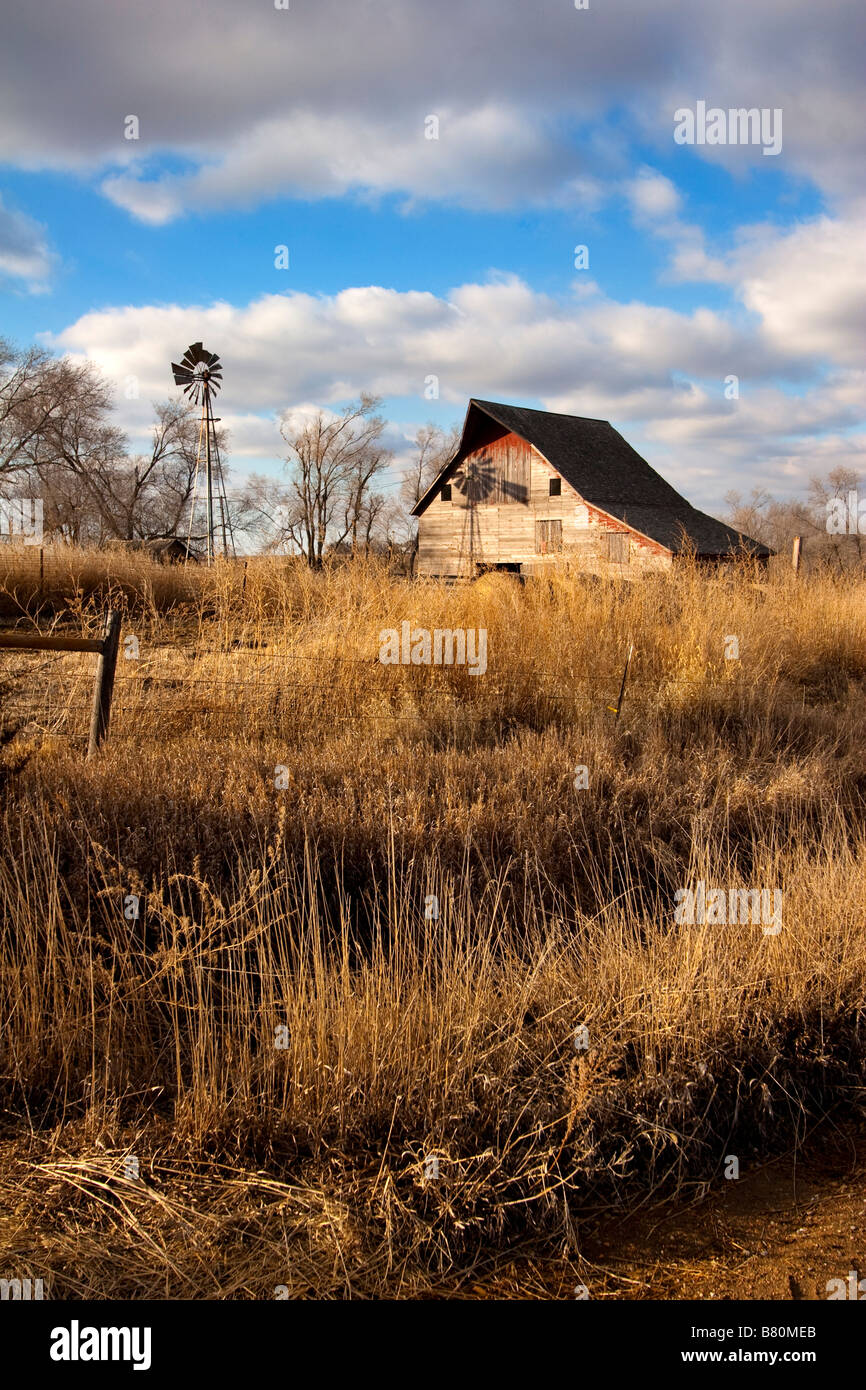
{"x":199,"y":372}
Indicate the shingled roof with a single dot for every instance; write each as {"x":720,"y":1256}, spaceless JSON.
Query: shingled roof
{"x":608,"y":473}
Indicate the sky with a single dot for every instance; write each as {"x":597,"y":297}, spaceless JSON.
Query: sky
{"x":389,"y":196}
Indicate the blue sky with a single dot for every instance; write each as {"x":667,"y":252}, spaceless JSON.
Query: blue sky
{"x":453,"y":257}
{"x":109,"y":258}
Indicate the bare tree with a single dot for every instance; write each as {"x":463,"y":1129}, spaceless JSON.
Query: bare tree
{"x":838,"y":483}
{"x":359,"y":506}
{"x":379,"y":521}
{"x":68,"y":511}
{"x":51,"y":409}
{"x":153,"y":492}
{"x":776,"y":523}
{"x":273,"y":517}
{"x":332,"y":461}
{"x":434,"y":448}
{"x":117,"y":495}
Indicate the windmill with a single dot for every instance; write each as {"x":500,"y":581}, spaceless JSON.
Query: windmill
{"x":200,"y":374}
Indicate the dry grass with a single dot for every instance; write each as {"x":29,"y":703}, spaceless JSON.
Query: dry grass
{"x":303,"y":908}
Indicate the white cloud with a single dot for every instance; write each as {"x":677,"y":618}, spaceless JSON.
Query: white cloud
{"x":479,"y":158}
{"x":501,"y":335}
{"x":652,"y":195}
{"x":808,"y":284}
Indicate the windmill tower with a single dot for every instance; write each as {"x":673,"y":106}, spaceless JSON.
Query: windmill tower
{"x":200,"y":374}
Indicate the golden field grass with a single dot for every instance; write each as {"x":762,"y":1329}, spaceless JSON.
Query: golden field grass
{"x":301,"y":906}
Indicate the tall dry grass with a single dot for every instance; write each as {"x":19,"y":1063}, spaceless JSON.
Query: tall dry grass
{"x":302,"y":907}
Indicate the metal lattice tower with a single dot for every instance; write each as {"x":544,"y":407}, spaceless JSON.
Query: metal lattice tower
{"x":200,"y":374}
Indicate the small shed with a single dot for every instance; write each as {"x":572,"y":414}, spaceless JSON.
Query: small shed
{"x":529,"y":487}
{"x":166,"y":550}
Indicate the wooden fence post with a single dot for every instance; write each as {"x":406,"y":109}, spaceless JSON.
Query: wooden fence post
{"x":795,"y":554}
{"x":618,"y":706}
{"x":104,"y":686}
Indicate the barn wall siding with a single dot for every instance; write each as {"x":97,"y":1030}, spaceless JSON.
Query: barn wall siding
{"x":497,"y":474}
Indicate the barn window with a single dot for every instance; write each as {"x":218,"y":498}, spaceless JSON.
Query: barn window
{"x":548,"y":536}
{"x":445,"y":494}
{"x":555,"y":487}
{"x":617,"y":547}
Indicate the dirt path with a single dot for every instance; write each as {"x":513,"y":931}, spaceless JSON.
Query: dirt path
{"x":781,"y":1231}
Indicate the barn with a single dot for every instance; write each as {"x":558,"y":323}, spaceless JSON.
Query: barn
{"x":529,"y":487}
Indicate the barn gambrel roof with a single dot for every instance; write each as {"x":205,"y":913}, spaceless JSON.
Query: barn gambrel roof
{"x":607,"y":473}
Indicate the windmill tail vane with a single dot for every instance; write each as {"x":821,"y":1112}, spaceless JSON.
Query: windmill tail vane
{"x":199,"y":373}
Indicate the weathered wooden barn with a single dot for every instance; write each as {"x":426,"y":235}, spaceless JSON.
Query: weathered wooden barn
{"x":528,"y":487}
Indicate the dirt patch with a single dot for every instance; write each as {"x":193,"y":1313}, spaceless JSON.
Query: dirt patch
{"x":780,"y":1231}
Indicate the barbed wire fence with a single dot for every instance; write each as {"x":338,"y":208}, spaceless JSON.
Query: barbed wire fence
{"x":147,"y":703}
